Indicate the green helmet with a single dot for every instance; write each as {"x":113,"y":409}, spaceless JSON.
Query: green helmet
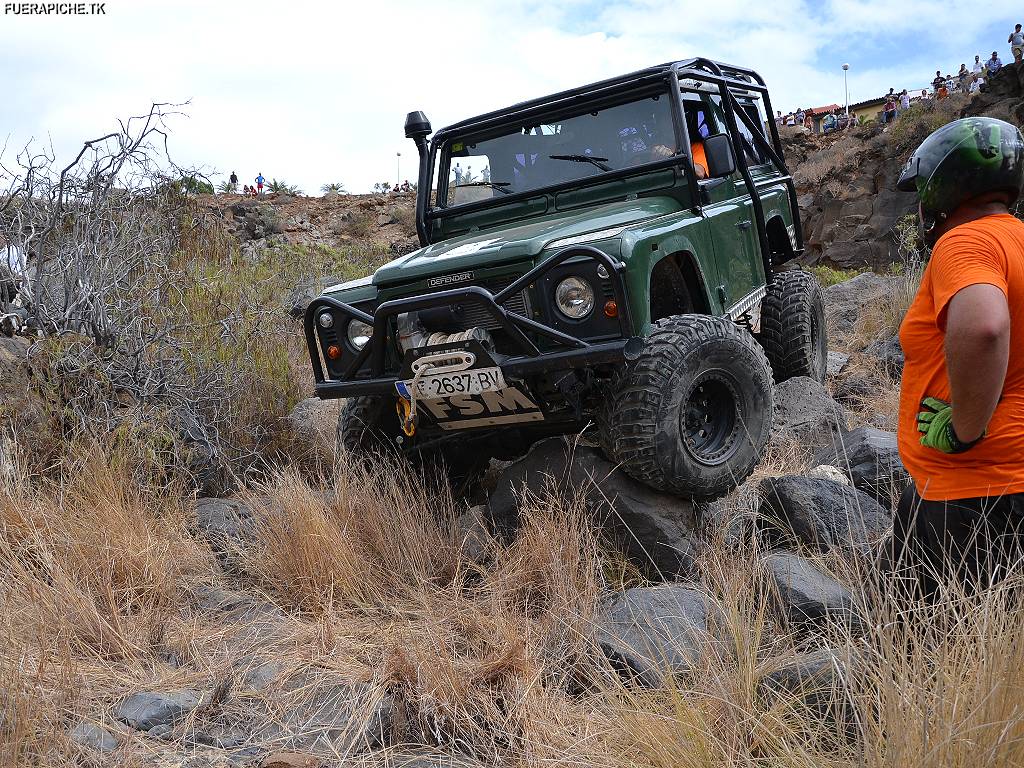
{"x":960,"y":161}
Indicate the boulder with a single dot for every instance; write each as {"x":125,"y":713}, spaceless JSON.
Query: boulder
{"x":808,"y":597}
{"x":227,"y":525}
{"x":94,"y":737}
{"x":828,"y":472}
{"x":889,"y":353}
{"x":148,"y":709}
{"x":340,"y":716}
{"x":855,"y":388}
{"x":845,"y":301}
{"x":858,"y":254}
{"x":476,"y":540}
{"x":814,"y":682}
{"x":650,"y":632}
{"x":290,"y":760}
{"x":314,"y":424}
{"x":806,"y":415}
{"x":871,"y":459}
{"x":837,"y":362}
{"x":206,"y":463}
{"x":303,"y":293}
{"x":653,"y":528}
{"x":820,"y":513}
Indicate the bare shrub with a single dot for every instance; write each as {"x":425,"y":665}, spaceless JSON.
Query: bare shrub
{"x":359,"y":223}
{"x":150,"y":313}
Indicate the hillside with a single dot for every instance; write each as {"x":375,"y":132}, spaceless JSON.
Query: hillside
{"x":195,"y":576}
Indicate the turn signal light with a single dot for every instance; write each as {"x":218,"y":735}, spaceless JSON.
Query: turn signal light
{"x":334,"y":351}
{"x":611,"y":309}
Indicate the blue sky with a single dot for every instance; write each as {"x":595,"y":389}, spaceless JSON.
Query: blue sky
{"x":317,"y":92}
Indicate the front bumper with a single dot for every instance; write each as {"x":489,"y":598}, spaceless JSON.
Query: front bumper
{"x":366,"y":374}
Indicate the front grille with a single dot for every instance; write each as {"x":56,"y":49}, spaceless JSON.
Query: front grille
{"x":474,"y":315}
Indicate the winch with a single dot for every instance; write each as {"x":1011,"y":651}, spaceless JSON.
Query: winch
{"x":413,"y":335}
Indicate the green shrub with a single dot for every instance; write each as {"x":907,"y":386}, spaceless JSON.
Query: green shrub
{"x":827,"y":275}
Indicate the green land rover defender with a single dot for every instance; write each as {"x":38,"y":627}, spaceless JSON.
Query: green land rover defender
{"x":605,"y":256}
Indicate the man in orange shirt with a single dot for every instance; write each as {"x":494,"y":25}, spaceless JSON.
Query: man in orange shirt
{"x":961,"y":421}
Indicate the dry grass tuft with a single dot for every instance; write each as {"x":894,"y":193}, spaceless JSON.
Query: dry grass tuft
{"x":107,"y":594}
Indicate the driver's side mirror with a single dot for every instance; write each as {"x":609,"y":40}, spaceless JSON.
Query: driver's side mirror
{"x":720,"y":156}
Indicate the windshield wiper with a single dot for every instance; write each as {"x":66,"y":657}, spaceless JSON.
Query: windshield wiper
{"x":498,"y":185}
{"x":598,"y":161}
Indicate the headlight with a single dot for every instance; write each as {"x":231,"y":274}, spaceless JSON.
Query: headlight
{"x":574,"y":298}
{"x":325,"y":320}
{"x":359,"y":333}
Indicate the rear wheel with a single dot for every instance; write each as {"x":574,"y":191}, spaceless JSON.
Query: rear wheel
{"x":693,"y":413}
{"x":793,"y":327}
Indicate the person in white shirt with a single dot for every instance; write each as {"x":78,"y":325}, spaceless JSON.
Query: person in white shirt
{"x":1016,"y":41}
{"x":904,"y":100}
{"x":979,"y":66}
{"x":975,"y":85}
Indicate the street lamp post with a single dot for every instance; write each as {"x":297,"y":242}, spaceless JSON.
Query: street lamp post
{"x":398,"y":168}
{"x":846,"y":89}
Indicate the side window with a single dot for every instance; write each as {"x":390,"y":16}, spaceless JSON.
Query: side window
{"x":751,"y":153}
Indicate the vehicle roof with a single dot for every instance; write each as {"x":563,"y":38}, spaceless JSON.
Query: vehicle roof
{"x":702,"y":68}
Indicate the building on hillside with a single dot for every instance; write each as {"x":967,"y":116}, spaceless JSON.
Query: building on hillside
{"x":871,"y":108}
{"x":818,"y":114}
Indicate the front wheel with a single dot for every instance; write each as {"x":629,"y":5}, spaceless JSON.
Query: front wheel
{"x":369,"y":426}
{"x":693,"y":413}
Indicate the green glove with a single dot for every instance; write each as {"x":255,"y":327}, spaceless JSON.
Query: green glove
{"x":935,"y":423}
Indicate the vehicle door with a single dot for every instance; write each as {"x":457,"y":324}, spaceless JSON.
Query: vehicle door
{"x":742,"y":267}
{"x":721,"y":212}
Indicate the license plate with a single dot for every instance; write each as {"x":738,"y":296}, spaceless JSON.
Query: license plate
{"x":471,"y":382}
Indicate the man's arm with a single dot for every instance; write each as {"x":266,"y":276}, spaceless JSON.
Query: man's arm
{"x":977,"y":352}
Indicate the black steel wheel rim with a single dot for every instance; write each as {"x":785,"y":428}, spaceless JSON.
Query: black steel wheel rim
{"x":710,"y":418}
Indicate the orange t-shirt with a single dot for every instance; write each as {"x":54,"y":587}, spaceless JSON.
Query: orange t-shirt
{"x":989,"y":251}
{"x":697,"y":151}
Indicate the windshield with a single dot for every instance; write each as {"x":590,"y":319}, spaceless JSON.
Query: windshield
{"x":526,"y":157}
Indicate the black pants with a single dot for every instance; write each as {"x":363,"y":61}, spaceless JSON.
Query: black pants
{"x":972,"y":541}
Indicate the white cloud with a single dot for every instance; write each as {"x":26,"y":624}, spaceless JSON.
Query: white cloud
{"x":313,"y":92}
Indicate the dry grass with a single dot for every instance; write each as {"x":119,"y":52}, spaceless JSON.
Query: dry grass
{"x":359,"y":579}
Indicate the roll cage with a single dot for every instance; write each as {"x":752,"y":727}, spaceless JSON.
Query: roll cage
{"x":727,"y":80}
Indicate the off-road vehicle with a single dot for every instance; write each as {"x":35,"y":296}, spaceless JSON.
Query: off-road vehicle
{"x":579,"y":266}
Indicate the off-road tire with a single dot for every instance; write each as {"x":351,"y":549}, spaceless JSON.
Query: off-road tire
{"x":793,"y":327}
{"x":694,"y":370}
{"x":368,"y":426}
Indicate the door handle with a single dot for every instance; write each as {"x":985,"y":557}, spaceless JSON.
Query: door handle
{"x":743,"y":225}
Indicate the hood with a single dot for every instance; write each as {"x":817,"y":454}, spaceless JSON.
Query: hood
{"x":515,"y":243}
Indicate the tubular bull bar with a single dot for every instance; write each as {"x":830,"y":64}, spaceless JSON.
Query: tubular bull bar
{"x":528,"y":360}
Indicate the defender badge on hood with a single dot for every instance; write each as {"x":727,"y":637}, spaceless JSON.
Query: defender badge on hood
{"x":461,"y":277}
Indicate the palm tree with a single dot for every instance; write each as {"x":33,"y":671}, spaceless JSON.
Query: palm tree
{"x":283,"y":188}
{"x":336,"y":187}
{"x":227,"y":188}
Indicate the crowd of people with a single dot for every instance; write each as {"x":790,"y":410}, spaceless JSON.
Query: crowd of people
{"x":965,"y":81}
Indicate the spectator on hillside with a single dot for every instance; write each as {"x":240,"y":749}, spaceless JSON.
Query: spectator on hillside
{"x":259,"y":182}
{"x":978,"y":68}
{"x":904,"y":101}
{"x":975,"y":84}
{"x":800,"y":116}
{"x":889,"y":112}
{"x":233,"y":179}
{"x":962,"y":77}
{"x":938,"y":81}
{"x":1016,"y":41}
{"x":779,"y":119}
{"x":245,"y":190}
{"x":993,"y":65}
{"x":790,"y":120}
